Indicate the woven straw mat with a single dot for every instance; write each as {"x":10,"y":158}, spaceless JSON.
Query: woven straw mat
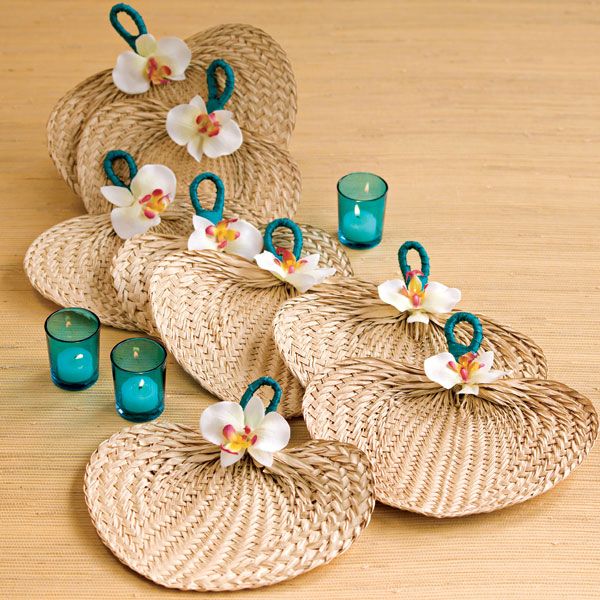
{"x":214,"y":312}
{"x":445,"y":455}
{"x":95,"y":117}
{"x":166,"y":508}
{"x":333,"y":323}
{"x":71,"y":264}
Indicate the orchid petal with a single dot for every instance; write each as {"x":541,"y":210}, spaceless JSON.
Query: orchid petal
{"x":128,"y":221}
{"x":481,"y":376}
{"x":195,"y":147}
{"x":440,"y":299}
{"x":227,"y":141}
{"x":273,"y":434}
{"x":228,"y":459}
{"x":249,"y":243}
{"x":145,"y":45}
{"x":254,"y":413}
{"x":436,"y":369}
{"x":129,"y":74}
{"x":303,"y":280}
{"x":310,"y":262}
{"x":199,"y":104}
{"x":266,"y":261}
{"x":223,"y":116}
{"x":175,"y":53}
{"x":418,"y":316}
{"x":469,"y":389}
{"x":198,"y":240}
{"x":152,"y":177}
{"x":181,"y":123}
{"x":117,"y":195}
{"x":214,"y":419}
{"x":261,"y":456}
{"x":389,"y":292}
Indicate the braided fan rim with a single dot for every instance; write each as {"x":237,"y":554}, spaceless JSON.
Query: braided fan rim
{"x":71,"y":112}
{"x":301,"y":326}
{"x":442,"y":455}
{"x":127,"y":466}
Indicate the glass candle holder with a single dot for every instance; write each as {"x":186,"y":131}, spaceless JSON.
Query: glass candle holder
{"x":361,"y":209}
{"x":72,"y":335}
{"x":139,"y":367}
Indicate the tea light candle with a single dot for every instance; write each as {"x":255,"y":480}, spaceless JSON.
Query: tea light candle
{"x":74,"y":365}
{"x":361,"y":209}
{"x":139,"y":394}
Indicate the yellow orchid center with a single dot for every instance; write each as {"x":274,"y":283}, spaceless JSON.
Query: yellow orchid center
{"x":156,"y":72}
{"x":155,"y":203}
{"x":289,"y":263}
{"x":414,"y":291}
{"x":208,"y":125}
{"x":235,"y":441}
{"x":466,"y":366}
{"x":222,"y":233}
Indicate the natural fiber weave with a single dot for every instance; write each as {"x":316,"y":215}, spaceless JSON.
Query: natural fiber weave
{"x":166,"y":508}
{"x":139,"y":256}
{"x":263,"y":102}
{"x":331,"y":324}
{"x":71,"y":264}
{"x":445,"y":455}
{"x":214,"y":312}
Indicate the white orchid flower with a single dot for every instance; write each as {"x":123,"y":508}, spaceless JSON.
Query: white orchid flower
{"x":471,"y":370}
{"x":233,"y":236}
{"x":419,"y":300}
{"x":214,"y":134}
{"x":236,"y":430}
{"x":302,"y":274}
{"x":153,"y":63}
{"x":139,"y":207}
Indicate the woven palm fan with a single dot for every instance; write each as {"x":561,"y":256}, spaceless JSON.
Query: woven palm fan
{"x":349,"y":319}
{"x":71,"y":263}
{"x":214,"y":312}
{"x":163,"y":503}
{"x":263,"y":99}
{"x":446,"y":452}
{"x":138,"y":257}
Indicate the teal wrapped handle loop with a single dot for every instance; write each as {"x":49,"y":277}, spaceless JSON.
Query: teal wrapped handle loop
{"x":215,"y":100}
{"x":130,"y":38}
{"x":405,"y":267}
{"x":455,"y":348}
{"x":253,"y":387}
{"x":216,"y":214}
{"x":109,"y":161}
{"x":289,"y":224}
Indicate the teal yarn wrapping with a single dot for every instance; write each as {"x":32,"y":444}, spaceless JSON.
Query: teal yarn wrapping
{"x":215,"y":100}
{"x":130,"y":38}
{"x":455,"y":348}
{"x":289,"y":224}
{"x":108,"y":162}
{"x":253,"y":387}
{"x":405,"y":267}
{"x":216,"y":214}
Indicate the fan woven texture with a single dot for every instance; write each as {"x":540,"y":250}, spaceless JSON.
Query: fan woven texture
{"x":166,"y":508}
{"x":333,"y":323}
{"x":214,"y":312}
{"x":95,"y":117}
{"x":445,"y":455}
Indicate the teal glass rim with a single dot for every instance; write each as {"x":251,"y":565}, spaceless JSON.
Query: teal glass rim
{"x":159,"y":364}
{"x":366,"y":200}
{"x":94,"y":317}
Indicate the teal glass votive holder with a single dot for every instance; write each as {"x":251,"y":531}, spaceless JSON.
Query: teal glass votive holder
{"x":139,"y":368}
{"x":361,"y":209}
{"x":73,"y":335}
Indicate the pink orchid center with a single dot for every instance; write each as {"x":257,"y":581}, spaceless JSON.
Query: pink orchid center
{"x":289,"y":263}
{"x":155,"y":203}
{"x":156,"y":72}
{"x":222,"y":233}
{"x":415,"y":291}
{"x":208,"y":125}
{"x":466,"y":366}
{"x":237,"y":441}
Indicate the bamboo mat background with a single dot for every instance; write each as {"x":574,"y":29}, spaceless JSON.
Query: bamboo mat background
{"x":483,"y":117}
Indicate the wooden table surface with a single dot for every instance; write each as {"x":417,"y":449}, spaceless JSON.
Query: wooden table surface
{"x":484,"y":117}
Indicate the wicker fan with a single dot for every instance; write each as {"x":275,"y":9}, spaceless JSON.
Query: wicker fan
{"x":214,"y":312}
{"x":95,"y":116}
{"x":334,"y":323}
{"x":163,"y":504}
{"x":443,"y":454}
